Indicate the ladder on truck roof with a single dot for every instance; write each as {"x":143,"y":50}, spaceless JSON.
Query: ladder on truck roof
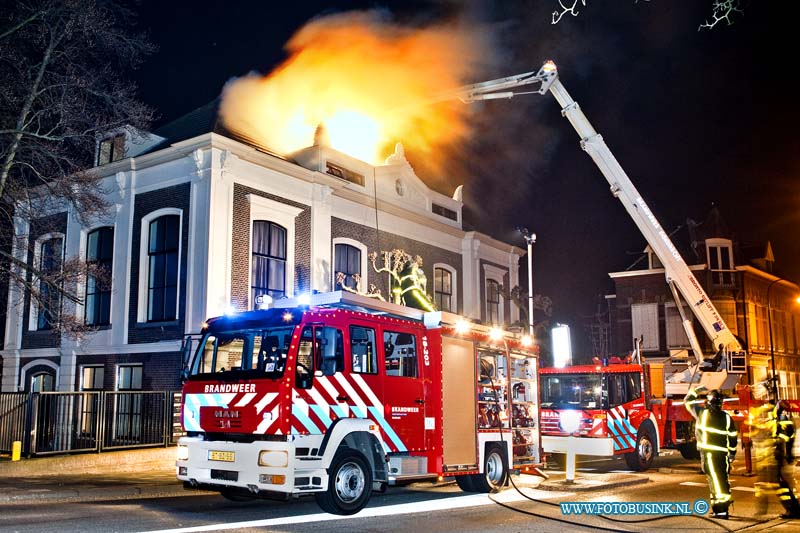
{"x":360,"y":302}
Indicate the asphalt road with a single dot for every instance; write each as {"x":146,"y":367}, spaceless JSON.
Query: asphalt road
{"x":419,"y":507}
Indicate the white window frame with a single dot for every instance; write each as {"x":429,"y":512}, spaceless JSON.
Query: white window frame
{"x":453,"y":284}
{"x":119,"y":367}
{"x":33,"y":316}
{"x":362,"y":286}
{"x":719,"y":245}
{"x":144,"y":264}
{"x":278,"y":213}
{"x":649,"y":344}
{"x":491,"y":272}
{"x":82,"y":384}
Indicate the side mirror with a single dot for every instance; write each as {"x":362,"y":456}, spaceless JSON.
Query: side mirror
{"x":184,"y":374}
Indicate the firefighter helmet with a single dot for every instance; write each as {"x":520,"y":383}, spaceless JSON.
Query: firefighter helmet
{"x":714,"y":399}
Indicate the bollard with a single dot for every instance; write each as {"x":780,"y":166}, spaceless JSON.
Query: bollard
{"x":16,"y":450}
{"x":570,"y":473}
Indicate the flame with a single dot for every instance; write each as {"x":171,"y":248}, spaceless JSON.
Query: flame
{"x":369,"y":81}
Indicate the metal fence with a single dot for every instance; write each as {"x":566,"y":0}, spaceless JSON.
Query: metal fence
{"x":66,"y":422}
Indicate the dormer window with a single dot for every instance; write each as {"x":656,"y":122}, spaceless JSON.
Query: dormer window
{"x":720,"y":261}
{"x":345,"y":174}
{"x":111,"y":149}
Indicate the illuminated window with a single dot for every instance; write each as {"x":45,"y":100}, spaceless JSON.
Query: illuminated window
{"x":268,"y":266}
{"x":92,"y":378}
{"x":99,"y":255}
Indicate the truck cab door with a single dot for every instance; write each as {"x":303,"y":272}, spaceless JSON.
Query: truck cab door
{"x":404,"y":392}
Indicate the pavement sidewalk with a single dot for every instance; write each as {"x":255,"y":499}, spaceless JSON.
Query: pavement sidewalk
{"x":150,"y":473}
{"x":90,"y":477}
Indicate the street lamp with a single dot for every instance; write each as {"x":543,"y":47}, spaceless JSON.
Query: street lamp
{"x":530,"y":238}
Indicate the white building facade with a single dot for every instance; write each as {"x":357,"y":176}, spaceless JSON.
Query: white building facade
{"x":208,"y":223}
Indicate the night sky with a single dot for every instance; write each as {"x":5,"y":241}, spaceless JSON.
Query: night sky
{"x":696,"y":119}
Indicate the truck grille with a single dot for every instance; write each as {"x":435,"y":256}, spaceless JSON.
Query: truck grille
{"x":225,"y":475}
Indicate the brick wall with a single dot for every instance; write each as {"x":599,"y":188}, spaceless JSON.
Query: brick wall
{"x":160,"y":371}
{"x":177,"y":196}
{"x":240,"y":249}
{"x":385,"y":241}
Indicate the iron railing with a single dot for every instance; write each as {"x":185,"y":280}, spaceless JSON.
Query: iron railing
{"x":66,"y":422}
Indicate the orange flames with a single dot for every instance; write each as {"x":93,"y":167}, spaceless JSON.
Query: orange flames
{"x":370,"y":82}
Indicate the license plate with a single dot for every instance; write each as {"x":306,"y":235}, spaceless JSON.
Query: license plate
{"x":214,"y":455}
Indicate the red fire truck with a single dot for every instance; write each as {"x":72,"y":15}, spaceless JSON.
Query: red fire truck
{"x":620,"y":409}
{"x":347,"y":394}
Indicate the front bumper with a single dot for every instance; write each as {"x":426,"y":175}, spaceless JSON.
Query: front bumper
{"x":599,"y":446}
{"x":240,"y":470}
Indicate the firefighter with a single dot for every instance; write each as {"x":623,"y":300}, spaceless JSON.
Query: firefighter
{"x":772,"y":431}
{"x":716,"y":441}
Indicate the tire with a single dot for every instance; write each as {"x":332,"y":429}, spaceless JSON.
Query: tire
{"x":349,"y":484}
{"x":236,"y":496}
{"x":689,"y":450}
{"x":495,"y":471}
{"x":465,"y":483}
{"x":641,"y":458}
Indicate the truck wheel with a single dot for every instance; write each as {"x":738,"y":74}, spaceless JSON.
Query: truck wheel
{"x":495,"y":471}
{"x":642,"y":456}
{"x":465,"y":483}
{"x":689,"y":450}
{"x":349,"y":484}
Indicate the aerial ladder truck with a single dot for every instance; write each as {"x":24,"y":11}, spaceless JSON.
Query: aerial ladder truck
{"x":632,"y":408}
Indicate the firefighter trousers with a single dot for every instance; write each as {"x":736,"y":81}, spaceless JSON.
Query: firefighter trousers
{"x":716,"y":466}
{"x":786,"y":494}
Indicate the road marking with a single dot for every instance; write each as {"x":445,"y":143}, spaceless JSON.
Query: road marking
{"x":744,"y":489}
{"x":694,"y":484}
{"x":458,"y":502}
{"x":622,"y":472}
{"x":587,"y":469}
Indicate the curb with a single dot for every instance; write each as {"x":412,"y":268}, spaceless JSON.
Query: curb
{"x":91,"y":494}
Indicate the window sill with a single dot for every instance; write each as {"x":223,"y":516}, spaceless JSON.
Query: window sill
{"x":145,"y":325}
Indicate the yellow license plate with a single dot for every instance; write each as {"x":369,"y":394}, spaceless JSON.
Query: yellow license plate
{"x":214,"y":455}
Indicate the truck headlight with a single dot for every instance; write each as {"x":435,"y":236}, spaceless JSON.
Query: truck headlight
{"x":570,"y":421}
{"x":275,"y":458}
{"x":182,"y":453}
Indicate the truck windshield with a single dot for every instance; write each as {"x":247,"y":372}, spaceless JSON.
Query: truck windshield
{"x":571,"y":391}
{"x":257,"y":351}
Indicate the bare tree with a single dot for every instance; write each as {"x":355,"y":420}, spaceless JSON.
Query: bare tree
{"x":62,"y":64}
{"x":722,"y":10}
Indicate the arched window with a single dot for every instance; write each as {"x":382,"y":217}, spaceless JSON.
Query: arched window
{"x":99,"y":255}
{"x":51,"y":251}
{"x":162,"y":259}
{"x":42,"y":382}
{"x":348,"y":262}
{"x":268,"y":264}
{"x":443,"y":289}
